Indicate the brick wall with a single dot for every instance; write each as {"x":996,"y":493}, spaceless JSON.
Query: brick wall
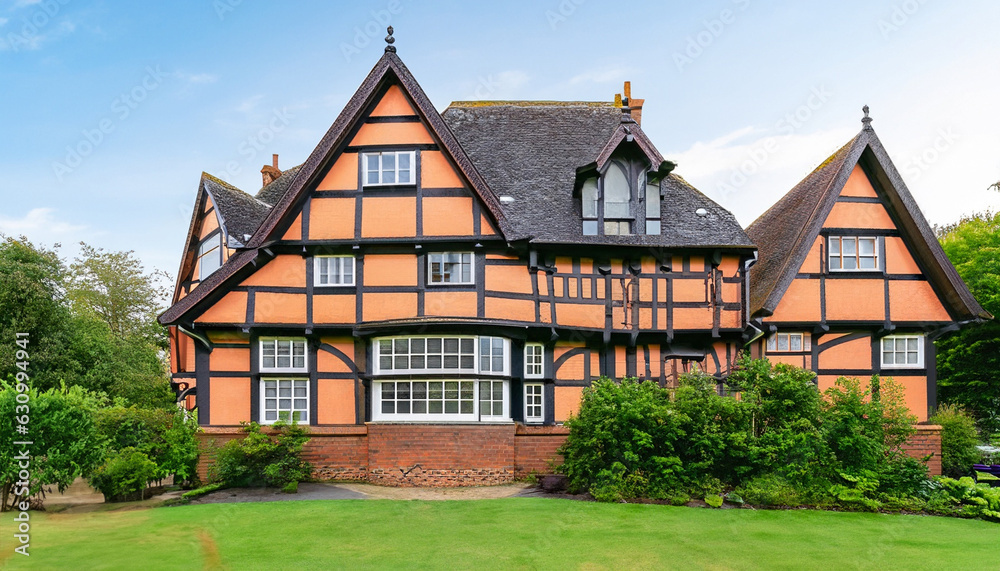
{"x":535,"y":449}
{"x":926,"y":441}
{"x":440,"y":455}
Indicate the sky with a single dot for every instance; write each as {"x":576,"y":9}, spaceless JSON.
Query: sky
{"x":110,"y":111}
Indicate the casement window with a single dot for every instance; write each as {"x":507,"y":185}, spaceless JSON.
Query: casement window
{"x":617,"y":202}
{"x":392,"y":167}
{"x":209,"y":256}
{"x":450,"y":268}
{"x":652,"y":208}
{"x":589,"y":195}
{"x":283,"y":355}
{"x":441,"y":400}
{"x":533,"y":363}
{"x":788,"y":343}
{"x":621,"y":202}
{"x":903,"y":352}
{"x":534,"y":411}
{"x":284,"y":399}
{"x":436,"y":355}
{"x":853,"y":254}
{"x":334,"y":271}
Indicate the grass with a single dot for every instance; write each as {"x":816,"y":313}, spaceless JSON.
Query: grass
{"x":516,"y":533}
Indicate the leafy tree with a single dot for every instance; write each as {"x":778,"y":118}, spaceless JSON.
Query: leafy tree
{"x":969,"y":359}
{"x":65,"y":441}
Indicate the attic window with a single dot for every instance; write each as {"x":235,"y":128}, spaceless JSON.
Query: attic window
{"x":388,"y":168}
{"x":621,"y":202}
{"x":209,"y":256}
{"x":853,"y":254}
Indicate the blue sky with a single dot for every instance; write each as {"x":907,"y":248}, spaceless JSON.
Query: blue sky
{"x":110,"y":111}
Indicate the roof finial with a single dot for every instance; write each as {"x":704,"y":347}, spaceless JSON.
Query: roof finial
{"x":866,"y":120}
{"x":390,"y":40}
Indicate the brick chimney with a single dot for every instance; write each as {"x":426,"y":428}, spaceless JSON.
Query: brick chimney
{"x":635,"y":105}
{"x":270,"y":173}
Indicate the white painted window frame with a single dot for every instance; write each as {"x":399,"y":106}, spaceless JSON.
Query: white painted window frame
{"x":264,"y":409}
{"x":292,"y":354}
{"x":318,"y":273}
{"x":381,"y":171}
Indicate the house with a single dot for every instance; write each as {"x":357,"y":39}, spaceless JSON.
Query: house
{"x":431,"y":292}
{"x":851,"y":280}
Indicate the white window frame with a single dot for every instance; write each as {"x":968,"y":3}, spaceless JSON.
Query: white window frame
{"x":439,"y":257}
{"x":216,"y":246}
{"x":476,"y":355}
{"x":476,"y":414}
{"x":528,"y":404}
{"x":534,"y":361}
{"x":294,"y":341}
{"x":339,"y":274}
{"x":264,"y":398}
{"x":774,"y":342}
{"x":895,"y":352}
{"x":857,"y":253}
{"x":381,"y":171}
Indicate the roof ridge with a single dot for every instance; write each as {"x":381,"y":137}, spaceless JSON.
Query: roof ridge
{"x":531,"y":103}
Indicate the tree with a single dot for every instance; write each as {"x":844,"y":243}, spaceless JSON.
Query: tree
{"x":969,"y":360}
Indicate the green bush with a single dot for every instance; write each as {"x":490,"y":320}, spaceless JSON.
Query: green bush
{"x":167,"y":437}
{"x":958,"y":440}
{"x":260,"y":459}
{"x":771,"y":490}
{"x":124,"y":474}
{"x":970,"y":499}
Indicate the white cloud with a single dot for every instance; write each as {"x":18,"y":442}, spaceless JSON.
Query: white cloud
{"x":196,"y":77}
{"x":3,"y":21}
{"x":40,"y":224}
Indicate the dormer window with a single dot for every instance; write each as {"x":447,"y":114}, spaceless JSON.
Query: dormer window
{"x":621,"y":202}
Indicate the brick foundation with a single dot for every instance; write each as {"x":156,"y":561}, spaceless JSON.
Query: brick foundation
{"x":926,"y":441}
{"x":418,"y":454}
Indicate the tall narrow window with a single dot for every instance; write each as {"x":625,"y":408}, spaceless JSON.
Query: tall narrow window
{"x":393,"y":167}
{"x":533,"y":403}
{"x":209,"y":256}
{"x":589,"y":197}
{"x":334,"y":271}
{"x":853,"y":254}
{"x":617,"y":198}
{"x":285,"y":399}
{"x":533,"y":354}
{"x":449,"y":268}
{"x":653,"y":208}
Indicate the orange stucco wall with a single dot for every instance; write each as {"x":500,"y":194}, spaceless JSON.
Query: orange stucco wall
{"x":915,"y":301}
{"x":392,"y":134}
{"x":334,"y":309}
{"x":335,"y":401}
{"x":382,"y":306}
{"x":855,"y":300}
{"x":800,"y":302}
{"x":229,"y":400}
{"x":229,"y":359}
{"x":858,"y":215}
{"x":448,"y":216}
{"x":389,"y":217}
{"x":567,"y":402}
{"x":436,"y":171}
{"x":897,"y":257}
{"x":331,"y":218}
{"x":280,"y":308}
{"x":390,"y":270}
{"x":283,"y":270}
{"x":394,"y":102}
{"x":854,"y":354}
{"x":858,"y":184}
{"x":232,"y":308}
{"x":343,"y":174}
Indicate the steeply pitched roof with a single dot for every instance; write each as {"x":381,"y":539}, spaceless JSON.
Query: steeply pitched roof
{"x":273,"y":192}
{"x":531,"y":150}
{"x":786,"y":232}
{"x":239,"y":213}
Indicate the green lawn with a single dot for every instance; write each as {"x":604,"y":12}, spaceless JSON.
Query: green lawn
{"x":517,"y":533}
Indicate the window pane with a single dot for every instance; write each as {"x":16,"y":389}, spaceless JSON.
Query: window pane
{"x":835,"y":263}
{"x":782,"y":342}
{"x":434,"y":345}
{"x":417,"y":345}
{"x":468,"y":345}
{"x":616,"y":193}
{"x":887,"y":345}
{"x":653,"y":201}
{"x":590,"y":228}
{"x":652,"y":227}
{"x":849,"y":246}
{"x":795,"y":342}
{"x":867,"y":263}
{"x":850,"y":263}
{"x":911,"y":358}
{"x":888,"y":358}
{"x":911,"y":344}
{"x":404,"y":168}
{"x":385,"y":363}
{"x":589,"y":197}
{"x":834,"y":246}
{"x":401,"y":346}
{"x":866,"y":246}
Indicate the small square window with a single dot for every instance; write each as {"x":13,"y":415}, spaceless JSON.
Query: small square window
{"x":334,"y":271}
{"x":903,"y":352}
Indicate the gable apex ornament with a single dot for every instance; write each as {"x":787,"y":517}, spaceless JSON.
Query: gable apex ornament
{"x":390,"y":40}
{"x":866,"y":120}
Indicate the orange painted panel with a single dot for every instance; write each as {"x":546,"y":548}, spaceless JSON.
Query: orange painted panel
{"x":572,"y":368}
{"x":855,"y":354}
{"x":731,"y":293}
{"x":331,"y":218}
{"x":187,"y":353}
{"x":383,"y":306}
{"x":826,"y":382}
{"x":485,"y":226}
{"x":450,"y":303}
{"x":800,"y":302}
{"x":692,"y":318}
{"x":390,"y":270}
{"x":567,"y":402}
{"x":897,"y":257}
{"x":645,"y":289}
{"x":915,"y":301}
{"x":731,"y":319}
{"x":858,"y":184}
{"x":620,"y":362}
{"x":801,"y":361}
{"x":811,"y":265}
{"x":654,"y":361}
{"x":343,"y":174}
{"x":229,"y":359}
{"x":334,"y":309}
{"x":690,"y":290}
{"x":730,"y":266}
{"x":229,"y":400}
{"x":915,"y":395}
{"x":208,"y":204}
{"x":557,"y":286}
{"x":335,"y":401}
{"x":330,"y":363}
{"x":279,"y":307}
{"x":580,"y":315}
{"x":586,"y":266}
{"x":294,"y":231}
{"x":858,"y":215}
{"x":392,"y":134}
{"x":436,"y":171}
{"x":564,"y":264}
{"x":855,"y":300}
{"x":448,"y":216}
{"x":232,"y":308}
{"x":645,"y":318}
{"x":513,"y":309}
{"x":282,"y":271}
{"x":544,"y":312}
{"x":393,"y":103}
{"x":389,"y":217}
{"x":208,"y":225}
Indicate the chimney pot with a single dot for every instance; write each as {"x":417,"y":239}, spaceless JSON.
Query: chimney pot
{"x":274,"y":160}
{"x":628,"y":90}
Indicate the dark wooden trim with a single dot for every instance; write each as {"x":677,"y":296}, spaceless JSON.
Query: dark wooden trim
{"x":203,"y":396}
{"x":392,"y":119}
{"x":861,"y":199}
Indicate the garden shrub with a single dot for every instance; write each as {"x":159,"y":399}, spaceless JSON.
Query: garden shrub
{"x":262,"y":459}
{"x":125,"y":474}
{"x":971,"y":499}
{"x":167,"y":437}
{"x":958,"y":440}
{"x":770,"y":490}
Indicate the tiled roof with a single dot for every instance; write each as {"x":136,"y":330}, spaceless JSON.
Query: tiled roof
{"x":240,"y":214}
